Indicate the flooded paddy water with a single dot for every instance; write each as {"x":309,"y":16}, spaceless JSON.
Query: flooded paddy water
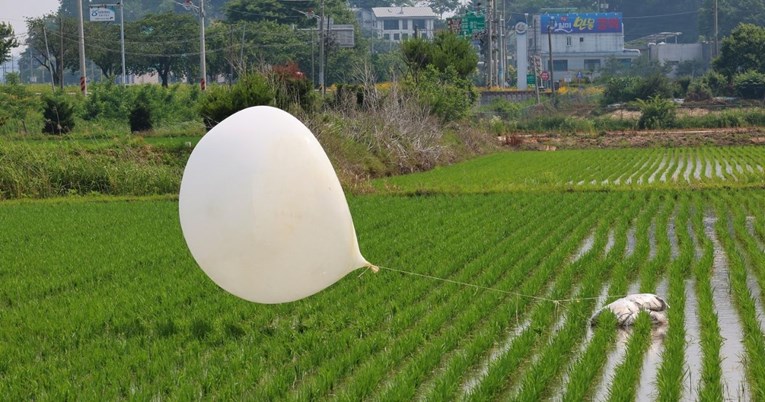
{"x":732,"y":351}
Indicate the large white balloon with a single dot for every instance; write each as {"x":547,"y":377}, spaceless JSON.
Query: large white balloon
{"x":262,"y":210}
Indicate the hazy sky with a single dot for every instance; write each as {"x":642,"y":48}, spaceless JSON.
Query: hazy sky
{"x":15,"y":12}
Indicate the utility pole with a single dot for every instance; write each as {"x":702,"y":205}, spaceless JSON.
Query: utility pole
{"x":122,"y":39}
{"x":202,"y":56}
{"x":61,"y":51}
{"x":83,"y":73}
{"x":321,"y":50}
{"x":188,"y":5}
{"x":490,"y":48}
{"x":552,"y":68}
{"x":502,"y":47}
{"x":717,"y":46}
{"x":50,"y":64}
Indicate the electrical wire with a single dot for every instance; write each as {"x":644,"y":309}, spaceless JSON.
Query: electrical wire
{"x":661,"y":15}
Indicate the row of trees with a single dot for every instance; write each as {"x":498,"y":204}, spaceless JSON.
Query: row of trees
{"x":246,"y":34}
{"x":154,"y":44}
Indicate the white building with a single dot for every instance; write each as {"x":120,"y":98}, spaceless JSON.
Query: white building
{"x":674,"y":53}
{"x":400,"y":23}
{"x":581,"y":42}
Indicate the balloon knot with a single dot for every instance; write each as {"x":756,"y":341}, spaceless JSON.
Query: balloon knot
{"x":374,"y":268}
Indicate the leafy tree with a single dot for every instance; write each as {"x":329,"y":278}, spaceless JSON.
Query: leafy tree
{"x":387,"y":66}
{"x":750,"y":85}
{"x":445,"y":51}
{"x":448,"y":95}
{"x":619,"y":89}
{"x":439,"y":72}
{"x":691,"y":68}
{"x":730,"y":13}
{"x":102,"y":45}
{"x":368,"y":4}
{"x":449,"y":50}
{"x":7,"y":41}
{"x":163,"y":44}
{"x":742,"y":51}
{"x":417,"y":55}
{"x":261,"y":10}
{"x":242,"y":46}
{"x":59,"y":31}
{"x":341,"y":65}
{"x":441,"y":7}
{"x":287,"y":12}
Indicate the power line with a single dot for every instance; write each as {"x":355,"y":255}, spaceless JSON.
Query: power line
{"x":661,"y":15}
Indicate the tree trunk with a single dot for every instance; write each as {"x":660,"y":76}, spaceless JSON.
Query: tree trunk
{"x":163,"y":73}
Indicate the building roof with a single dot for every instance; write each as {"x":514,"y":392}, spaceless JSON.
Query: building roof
{"x":403,"y":12}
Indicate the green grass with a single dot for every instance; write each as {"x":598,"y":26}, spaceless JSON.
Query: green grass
{"x":587,"y":170}
{"x":100,"y":299}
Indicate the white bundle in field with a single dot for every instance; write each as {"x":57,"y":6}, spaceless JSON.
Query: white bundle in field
{"x":627,"y":309}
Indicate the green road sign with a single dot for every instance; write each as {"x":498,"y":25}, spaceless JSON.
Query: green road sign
{"x":531,"y":79}
{"x":472,"y":23}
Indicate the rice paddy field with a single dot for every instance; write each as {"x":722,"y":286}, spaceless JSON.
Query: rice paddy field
{"x":490,"y":272}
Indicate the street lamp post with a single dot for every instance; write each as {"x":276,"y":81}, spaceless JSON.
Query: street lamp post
{"x":552,"y":67}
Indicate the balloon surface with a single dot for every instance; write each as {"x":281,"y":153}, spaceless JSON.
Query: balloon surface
{"x":262,"y":209}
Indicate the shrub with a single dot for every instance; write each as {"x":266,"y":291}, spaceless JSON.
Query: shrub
{"x":223,"y":101}
{"x":141,"y":116}
{"x":58,"y":114}
{"x":750,"y":85}
{"x":106,"y":101}
{"x":16,"y":102}
{"x":653,"y":86}
{"x":347,"y":94}
{"x":446,"y":94}
{"x":656,"y":113}
{"x":505,"y":108}
{"x":291,"y":87}
{"x":698,"y":90}
{"x":680,"y":89}
{"x":619,"y":89}
{"x":717,"y":83}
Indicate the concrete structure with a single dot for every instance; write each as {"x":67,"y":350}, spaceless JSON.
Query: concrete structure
{"x":581,"y":42}
{"x":522,"y":64}
{"x":400,"y":23}
{"x":676,"y":53}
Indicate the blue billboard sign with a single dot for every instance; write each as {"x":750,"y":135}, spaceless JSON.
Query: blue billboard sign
{"x":578,"y":23}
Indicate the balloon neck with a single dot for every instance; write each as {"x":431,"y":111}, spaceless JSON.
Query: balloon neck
{"x":373,"y":267}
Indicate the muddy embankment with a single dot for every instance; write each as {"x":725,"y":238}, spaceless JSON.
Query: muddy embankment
{"x":636,"y":138}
